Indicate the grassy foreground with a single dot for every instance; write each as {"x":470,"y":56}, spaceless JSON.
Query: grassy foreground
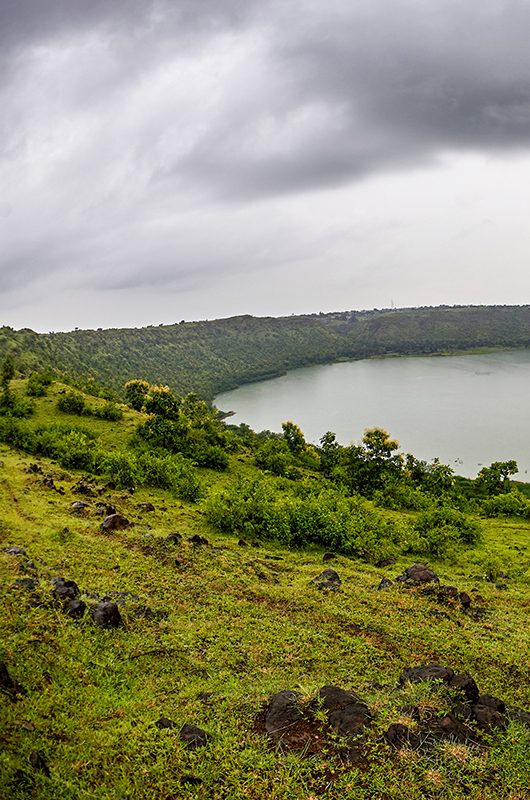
{"x":230,"y":625}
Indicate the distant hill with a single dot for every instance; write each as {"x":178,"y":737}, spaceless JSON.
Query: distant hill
{"x":213,"y":356}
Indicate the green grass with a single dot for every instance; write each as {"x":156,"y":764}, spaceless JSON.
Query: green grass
{"x":240,"y":626}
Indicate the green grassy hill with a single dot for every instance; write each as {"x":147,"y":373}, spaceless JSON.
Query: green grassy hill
{"x":212,"y":630}
{"x":210,"y":357}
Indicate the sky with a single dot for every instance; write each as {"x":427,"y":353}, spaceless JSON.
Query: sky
{"x":164,"y":160}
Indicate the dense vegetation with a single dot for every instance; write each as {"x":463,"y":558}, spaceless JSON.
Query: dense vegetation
{"x":222,"y":533}
{"x":213,"y":356}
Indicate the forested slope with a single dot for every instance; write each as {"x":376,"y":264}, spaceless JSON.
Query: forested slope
{"x":211,"y":356}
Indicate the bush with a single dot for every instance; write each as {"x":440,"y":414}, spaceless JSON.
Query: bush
{"x":38,"y":383}
{"x":399,"y":496}
{"x":443,"y":530}
{"x":76,"y":451}
{"x":122,"y":468}
{"x":71,"y":403}
{"x":274,"y":456}
{"x":511,"y":504}
{"x":109,"y":411}
{"x":175,"y":473}
{"x":268,"y":509}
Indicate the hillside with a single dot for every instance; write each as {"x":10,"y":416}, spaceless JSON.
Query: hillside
{"x":185,"y":693}
{"x":214,"y":356}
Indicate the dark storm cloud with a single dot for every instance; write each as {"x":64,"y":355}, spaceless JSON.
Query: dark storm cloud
{"x":134,"y":132}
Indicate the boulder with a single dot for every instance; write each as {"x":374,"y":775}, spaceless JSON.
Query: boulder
{"x":328,"y":580}
{"x":65,"y":590}
{"x":345,"y":710}
{"x":115,"y":522}
{"x":418,"y":574}
{"x":193,"y":737}
{"x":282,"y":713}
{"x":107,"y":614}
{"x":400,"y":736}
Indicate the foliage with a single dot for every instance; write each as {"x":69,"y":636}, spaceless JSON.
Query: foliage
{"x":274,"y":456}
{"x":265,"y":509}
{"x":294,"y":438}
{"x":510,"y":504}
{"x":135,"y":393}
{"x":495,"y":479}
{"x":441,"y":530}
{"x":109,"y":410}
{"x":38,"y":383}
{"x":71,"y":403}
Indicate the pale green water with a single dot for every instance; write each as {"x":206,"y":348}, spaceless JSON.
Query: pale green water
{"x":467,"y":410}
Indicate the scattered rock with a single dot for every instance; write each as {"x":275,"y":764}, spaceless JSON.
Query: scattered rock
{"x":84,"y":487}
{"x":242,"y":543}
{"x":79,"y":506}
{"x":165,"y":724}
{"x":50,"y":484}
{"x":107,"y":614}
{"x":174,"y":538}
{"x":27,"y":566}
{"x":144,"y":612}
{"x":115,"y":522}
{"x":65,"y":590}
{"x":465,"y":599}
{"x":328,"y":557}
{"x":328,"y":580}
{"x":198,"y":541}
{"x":8,"y":685}
{"x":385,"y":583}
{"x":429,"y":672}
{"x":146,"y":507}
{"x":193,"y":737}
{"x":346,"y":712}
{"x":501,"y":586}
{"x":191,"y":780}
{"x":15,"y":551}
{"x":75,"y":608}
{"x":34,"y":468}
{"x":38,"y":763}
{"x":282,"y":713}
{"x":465,"y":684}
{"x":385,"y":562}
{"x":399,"y":736}
{"x":418,"y":574}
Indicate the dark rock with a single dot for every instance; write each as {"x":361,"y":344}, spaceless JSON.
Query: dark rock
{"x":450,"y":592}
{"x":115,"y":522}
{"x":451,"y":728}
{"x":164,"y":723}
{"x":15,"y":551}
{"x":27,"y":566}
{"x":7,"y":684}
{"x":198,"y":541}
{"x":488,"y":716}
{"x":144,"y":612}
{"x":27,"y":583}
{"x":466,"y":684}
{"x":242,"y":543}
{"x":400,"y":736}
{"x":34,"y":468}
{"x":429,"y":672}
{"x":327,"y":580}
{"x":492,"y":702}
{"x":75,"y":608}
{"x":65,"y":590}
{"x":107,"y":614}
{"x":518,"y":715}
{"x":346,"y":712}
{"x":282,"y":713}
{"x":385,"y":583}
{"x":465,"y":599}
{"x":420,"y":573}
{"x":38,"y":763}
{"x":193,"y":737}
{"x":146,"y":507}
{"x":22,"y":781}
{"x":328,"y":557}
{"x":174,"y":538}
{"x":84,"y":487}
{"x":385,"y":562}
{"x":79,"y":506}
{"x":501,"y":586}
{"x":273,"y":558}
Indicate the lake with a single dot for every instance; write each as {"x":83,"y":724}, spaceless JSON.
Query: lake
{"x":467,"y":410}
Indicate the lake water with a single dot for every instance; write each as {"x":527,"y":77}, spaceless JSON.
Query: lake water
{"x":467,"y":410}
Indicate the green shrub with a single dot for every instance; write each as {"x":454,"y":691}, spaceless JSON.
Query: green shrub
{"x":109,"y":410}
{"x":400,"y":496}
{"x":173,"y":472}
{"x":511,"y":504}
{"x":75,"y":451}
{"x":38,"y":383}
{"x":443,"y":530}
{"x":274,"y":456}
{"x":121,"y":467}
{"x":71,"y":403}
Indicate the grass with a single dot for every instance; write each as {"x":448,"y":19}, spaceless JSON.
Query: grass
{"x":240,"y":626}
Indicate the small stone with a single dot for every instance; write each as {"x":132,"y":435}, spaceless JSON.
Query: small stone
{"x":165,"y":724}
{"x":345,"y":710}
{"x":282,"y":713}
{"x":107,"y":614}
{"x":420,"y":573}
{"x":242,"y":543}
{"x":193,"y":737}
{"x":400,"y":736}
{"x":466,"y":684}
{"x":198,"y":541}
{"x":65,"y":590}
{"x":465,"y":599}
{"x":146,"y":506}
{"x":501,"y":586}
{"x":79,"y":505}
{"x":38,"y":763}
{"x":327,"y":580}
{"x":115,"y":522}
{"x":328,"y":557}
{"x":429,"y":672}
{"x":174,"y":538}
{"x":75,"y":608}
{"x":385,"y":583}
{"x":15,"y":551}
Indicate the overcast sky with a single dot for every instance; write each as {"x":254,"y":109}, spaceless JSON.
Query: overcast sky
{"x":189,"y":159}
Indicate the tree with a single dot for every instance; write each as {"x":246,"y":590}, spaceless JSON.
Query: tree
{"x":135,"y":393}
{"x":294,"y":438}
{"x":8,"y":373}
{"x":495,"y":479}
{"x":329,"y":453}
